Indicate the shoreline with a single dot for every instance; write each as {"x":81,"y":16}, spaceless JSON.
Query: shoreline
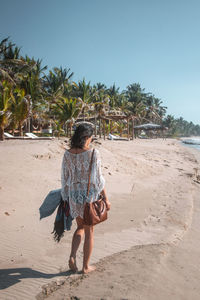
{"x":146,"y":212}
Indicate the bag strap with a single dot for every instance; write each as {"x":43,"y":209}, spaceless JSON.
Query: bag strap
{"x":90,"y":169}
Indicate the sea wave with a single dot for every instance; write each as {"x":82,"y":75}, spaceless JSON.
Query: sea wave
{"x":192,"y":141}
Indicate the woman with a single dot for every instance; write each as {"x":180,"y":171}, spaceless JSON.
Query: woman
{"x":74,"y":178}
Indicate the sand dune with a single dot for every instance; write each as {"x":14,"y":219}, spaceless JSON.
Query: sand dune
{"x":152,"y":193}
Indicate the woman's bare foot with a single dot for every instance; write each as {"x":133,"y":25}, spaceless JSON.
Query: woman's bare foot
{"x":89,"y":269}
{"x":72,"y":264}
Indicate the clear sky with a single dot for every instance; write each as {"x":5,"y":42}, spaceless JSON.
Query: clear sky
{"x":152,"y":42}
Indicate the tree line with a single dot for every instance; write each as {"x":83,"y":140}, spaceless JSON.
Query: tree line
{"x":34,"y":98}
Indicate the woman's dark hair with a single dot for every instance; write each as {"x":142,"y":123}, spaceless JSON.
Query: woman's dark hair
{"x":82,"y":132}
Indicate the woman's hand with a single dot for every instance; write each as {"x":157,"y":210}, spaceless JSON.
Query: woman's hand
{"x":105,"y":198}
{"x":108,"y":204}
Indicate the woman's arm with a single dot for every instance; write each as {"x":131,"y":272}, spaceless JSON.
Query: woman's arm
{"x":103,"y":193}
{"x":101,"y":180}
{"x":64,"y":178}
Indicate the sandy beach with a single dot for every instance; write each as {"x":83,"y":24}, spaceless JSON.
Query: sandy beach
{"x":148,"y":248}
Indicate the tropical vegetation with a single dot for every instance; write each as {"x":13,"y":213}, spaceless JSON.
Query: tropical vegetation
{"x":34,"y":98}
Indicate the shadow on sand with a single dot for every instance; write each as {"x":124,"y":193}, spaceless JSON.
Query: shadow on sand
{"x":9,"y":277}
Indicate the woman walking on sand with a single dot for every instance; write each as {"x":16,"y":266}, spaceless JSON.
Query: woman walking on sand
{"x":74,"y":178}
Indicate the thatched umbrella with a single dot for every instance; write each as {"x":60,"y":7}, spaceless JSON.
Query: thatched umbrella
{"x":149,"y":126}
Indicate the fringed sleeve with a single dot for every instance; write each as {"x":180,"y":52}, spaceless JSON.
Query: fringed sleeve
{"x":64,"y":180}
{"x":97,"y":177}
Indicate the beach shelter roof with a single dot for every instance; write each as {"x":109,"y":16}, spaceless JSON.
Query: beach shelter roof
{"x":82,"y":122}
{"x":149,"y":126}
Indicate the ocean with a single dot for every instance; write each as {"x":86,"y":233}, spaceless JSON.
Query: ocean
{"x":194,"y":146}
{"x":192,"y":142}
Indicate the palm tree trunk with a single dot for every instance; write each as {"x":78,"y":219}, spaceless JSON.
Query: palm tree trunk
{"x":120,"y":132}
{"x":95,"y":124}
{"x":127,"y":128}
{"x":100,"y":127}
{"x":111,"y":126}
{"x":1,"y":133}
{"x":29,"y":124}
{"x":104,"y":130}
{"x":20,"y":129}
{"x":133,"y":128}
{"x":40,"y":127}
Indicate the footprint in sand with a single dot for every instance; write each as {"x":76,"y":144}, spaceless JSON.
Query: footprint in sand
{"x":150,"y":219}
{"x":41,"y":156}
{"x":189,"y":174}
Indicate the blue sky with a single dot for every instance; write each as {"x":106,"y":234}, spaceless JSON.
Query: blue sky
{"x":152,"y":42}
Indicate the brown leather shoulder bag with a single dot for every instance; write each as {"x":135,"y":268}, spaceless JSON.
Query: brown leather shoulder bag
{"x":94,"y":212}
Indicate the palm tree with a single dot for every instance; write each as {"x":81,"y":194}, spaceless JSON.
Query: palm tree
{"x":5,"y":103}
{"x":66,"y":110}
{"x":138,"y":104}
{"x":4,"y":75}
{"x":113,"y":94}
{"x":161,"y":110}
{"x":31,"y":80}
{"x":56,"y":85}
{"x":19,"y":108}
{"x":100,"y":102}
{"x":170,"y":123}
{"x":136,"y":100}
{"x":58,"y":130}
{"x":120,"y":127}
{"x":33,"y":84}
{"x":83,"y":91}
{"x":56,"y":80}
{"x":154,"y":110}
{"x":11,"y":64}
{"x":134,"y":93}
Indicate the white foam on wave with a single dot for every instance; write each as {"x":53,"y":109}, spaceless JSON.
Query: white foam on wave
{"x":192,"y":141}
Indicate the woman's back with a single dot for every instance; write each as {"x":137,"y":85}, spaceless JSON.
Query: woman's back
{"x":76,"y":166}
{"x":74,"y":178}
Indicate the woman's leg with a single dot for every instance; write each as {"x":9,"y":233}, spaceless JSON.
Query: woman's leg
{"x":76,"y":240}
{"x":87,"y":248}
